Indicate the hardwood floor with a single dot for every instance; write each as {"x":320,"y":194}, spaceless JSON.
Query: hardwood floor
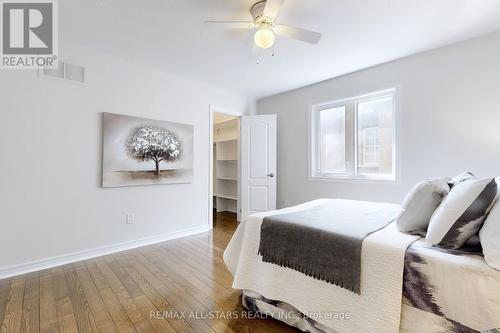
{"x":148,"y":289}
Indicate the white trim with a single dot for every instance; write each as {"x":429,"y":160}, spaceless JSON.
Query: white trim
{"x":341,"y":100}
{"x":356,"y":180}
{"x":41,"y":264}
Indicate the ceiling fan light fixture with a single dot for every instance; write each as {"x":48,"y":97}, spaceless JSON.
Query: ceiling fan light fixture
{"x":264,"y":38}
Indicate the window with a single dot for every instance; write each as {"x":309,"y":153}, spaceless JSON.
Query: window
{"x":354,"y":138}
{"x":333,"y":157}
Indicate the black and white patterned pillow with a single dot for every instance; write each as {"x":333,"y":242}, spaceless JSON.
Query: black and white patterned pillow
{"x":490,"y":236}
{"x":462,"y":213}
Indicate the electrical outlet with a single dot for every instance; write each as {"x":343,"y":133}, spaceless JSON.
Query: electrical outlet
{"x":130,"y":218}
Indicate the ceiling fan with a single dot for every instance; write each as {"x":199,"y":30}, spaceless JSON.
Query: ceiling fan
{"x":264,"y":15}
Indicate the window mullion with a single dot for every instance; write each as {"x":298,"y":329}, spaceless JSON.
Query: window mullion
{"x":355,"y":138}
{"x":319,"y":141}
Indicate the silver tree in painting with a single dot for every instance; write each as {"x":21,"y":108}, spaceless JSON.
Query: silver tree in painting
{"x":156,"y":144}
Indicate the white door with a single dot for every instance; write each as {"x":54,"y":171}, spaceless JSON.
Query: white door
{"x":258,"y":164}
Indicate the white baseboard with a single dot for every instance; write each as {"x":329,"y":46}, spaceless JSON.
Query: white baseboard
{"x":38,"y":265}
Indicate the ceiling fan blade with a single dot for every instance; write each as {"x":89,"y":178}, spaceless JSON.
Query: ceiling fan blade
{"x":303,"y":35}
{"x":272,"y":8}
{"x":232,"y":24}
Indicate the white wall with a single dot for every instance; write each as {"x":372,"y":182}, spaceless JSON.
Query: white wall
{"x":449,"y":114}
{"x":51,"y":202}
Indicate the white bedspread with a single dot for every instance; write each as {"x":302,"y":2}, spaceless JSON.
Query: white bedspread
{"x":377,"y":309}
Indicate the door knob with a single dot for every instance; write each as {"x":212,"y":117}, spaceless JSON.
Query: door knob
{"x":271,"y":175}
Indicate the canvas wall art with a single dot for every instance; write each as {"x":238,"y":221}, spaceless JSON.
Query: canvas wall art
{"x":139,"y":151}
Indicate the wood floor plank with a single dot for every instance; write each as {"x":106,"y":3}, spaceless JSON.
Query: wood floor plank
{"x":102,"y":318}
{"x":149,"y":288}
{"x":4,"y":296}
{"x":179,"y":277}
{"x":210,"y":266}
{"x":48,"y":310}
{"x":14,"y":308}
{"x":206,"y":285}
{"x":139,"y":320}
{"x":116,"y":311}
{"x":30,"y":322}
{"x":213,"y":301}
{"x":97,"y":276}
{"x":83,"y":315}
{"x":169,"y":293}
{"x":66,"y":320}
{"x":210,"y":282}
{"x":110,"y":300}
{"x":125,"y":279}
{"x":141,"y":301}
{"x":202,"y":272}
{"x":181,"y":298}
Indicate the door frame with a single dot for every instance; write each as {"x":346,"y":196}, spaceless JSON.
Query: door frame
{"x":212,"y":109}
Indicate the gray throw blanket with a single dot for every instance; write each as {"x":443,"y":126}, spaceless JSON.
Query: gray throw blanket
{"x":325,"y":241}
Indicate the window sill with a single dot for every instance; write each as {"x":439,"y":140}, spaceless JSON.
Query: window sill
{"x":355,"y":179}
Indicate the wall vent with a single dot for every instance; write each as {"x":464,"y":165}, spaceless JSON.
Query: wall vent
{"x":65,"y":71}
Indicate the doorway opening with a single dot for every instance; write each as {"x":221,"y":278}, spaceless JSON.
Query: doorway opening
{"x":224,"y":166}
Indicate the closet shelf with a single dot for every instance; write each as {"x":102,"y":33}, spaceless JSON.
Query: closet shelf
{"x":224,"y":140}
{"x":226,"y":197}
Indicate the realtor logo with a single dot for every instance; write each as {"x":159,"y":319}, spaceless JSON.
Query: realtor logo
{"x":29,"y":34}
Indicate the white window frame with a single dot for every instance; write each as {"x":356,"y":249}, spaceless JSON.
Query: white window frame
{"x":351,"y":105}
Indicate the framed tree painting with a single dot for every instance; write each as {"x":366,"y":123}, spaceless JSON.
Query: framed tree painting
{"x":139,"y":151}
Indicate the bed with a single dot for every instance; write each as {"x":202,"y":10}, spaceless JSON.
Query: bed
{"x":406,"y":285}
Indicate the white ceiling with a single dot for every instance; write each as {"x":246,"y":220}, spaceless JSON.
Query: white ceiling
{"x":170,"y":35}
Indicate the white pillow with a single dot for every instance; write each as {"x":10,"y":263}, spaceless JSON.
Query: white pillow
{"x":462,"y":177}
{"x":419,"y":205}
{"x":490,"y":237}
{"x":462,"y":213}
